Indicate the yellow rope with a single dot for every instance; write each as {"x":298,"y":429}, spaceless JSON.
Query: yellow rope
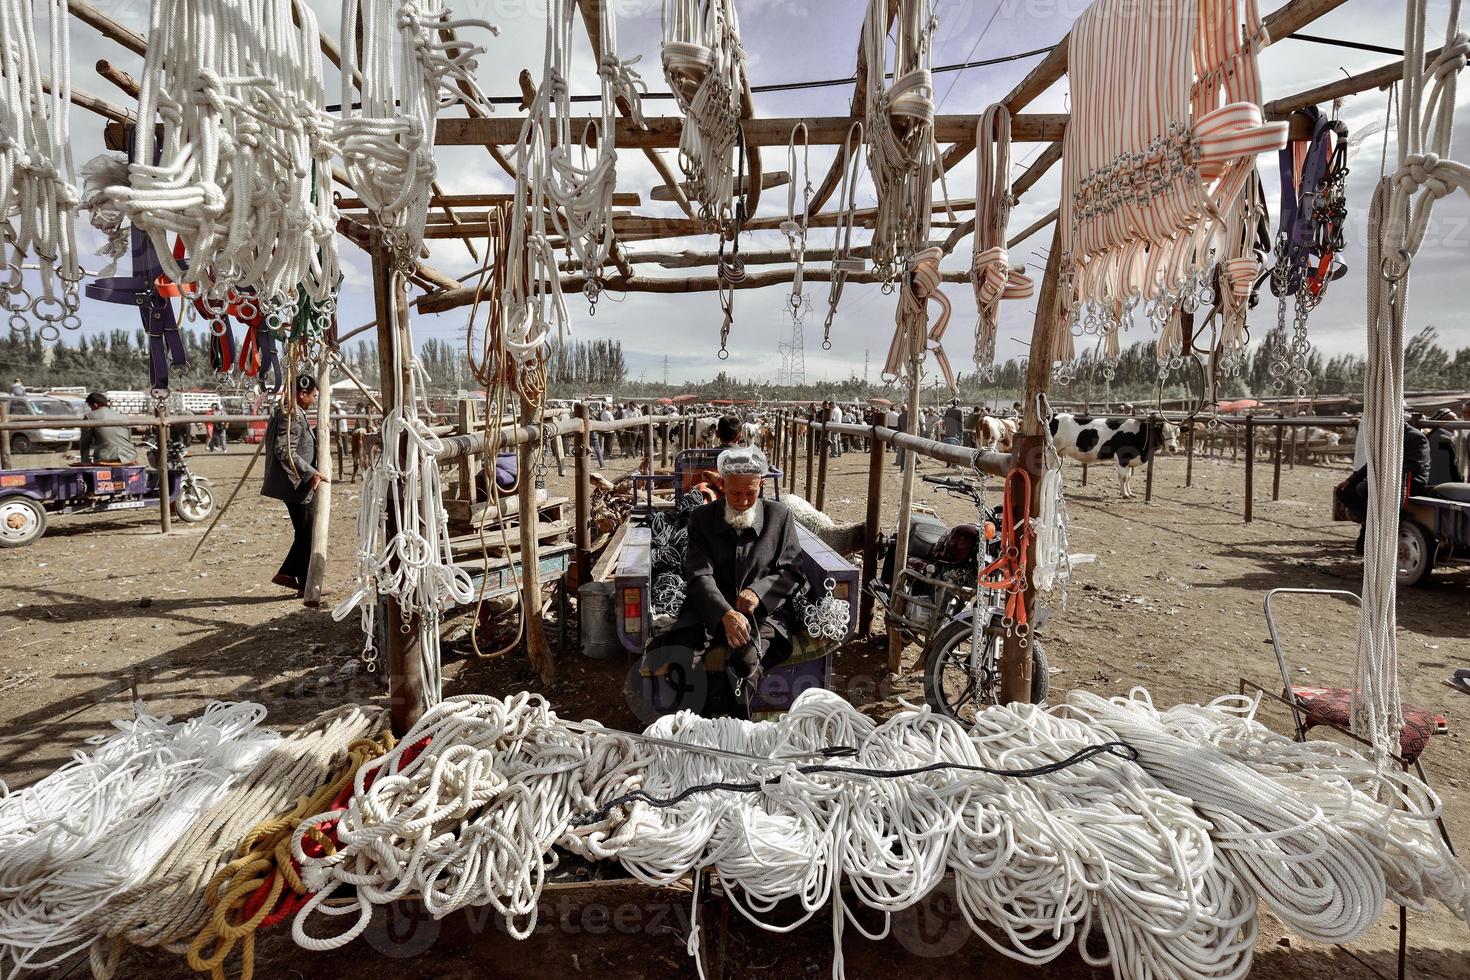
{"x":267,"y":848}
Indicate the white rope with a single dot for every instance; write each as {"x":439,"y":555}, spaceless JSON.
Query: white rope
{"x":900,"y":133}
{"x":469,"y":821}
{"x":705,"y":67}
{"x":386,"y":129}
{"x":843,"y":262}
{"x":98,"y":824}
{"x":242,"y":173}
{"x":168,"y":907}
{"x":1054,"y":560}
{"x":559,"y":197}
{"x":991,"y":271}
{"x":37,"y":179}
{"x":415,"y":565}
{"x":1398,"y":219}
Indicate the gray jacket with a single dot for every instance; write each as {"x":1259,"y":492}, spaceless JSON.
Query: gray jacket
{"x":109,"y":443}
{"x":290,"y":455}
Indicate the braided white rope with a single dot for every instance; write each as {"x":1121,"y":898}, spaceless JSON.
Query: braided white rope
{"x":37,"y":178}
{"x":168,"y":907}
{"x":416,"y":564}
{"x":1398,"y":219}
{"x":98,"y":824}
{"x":243,"y":169}
{"x":469,"y":821}
{"x":386,"y":129}
{"x":705,"y":67}
{"x":900,"y":133}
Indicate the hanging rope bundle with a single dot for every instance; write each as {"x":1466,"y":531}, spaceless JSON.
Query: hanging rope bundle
{"x":991,"y":271}
{"x":914,"y":335}
{"x":240,"y":175}
{"x":705,"y":67}
{"x":1165,"y":127}
{"x":169,"y":906}
{"x":100,"y":823}
{"x":38,"y":188}
{"x":386,"y":129}
{"x":843,"y":261}
{"x":900,"y":133}
{"x":415,"y":564}
{"x":1398,"y":220}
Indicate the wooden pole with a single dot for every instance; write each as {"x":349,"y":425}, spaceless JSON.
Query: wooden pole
{"x":1291,"y":452}
{"x":400,"y":635}
{"x":1276,"y":474}
{"x":163,"y":495}
{"x":794,"y":430}
{"x":1015,"y":661}
{"x":820,"y":501}
{"x":872,"y":531}
{"x":1148,"y":479}
{"x":321,"y":514}
{"x":582,"y":494}
{"x":648,"y":444}
{"x":4,"y":434}
{"x":1250,"y":464}
{"x":905,"y":507}
{"x":811,"y":454}
{"x":537,"y":649}
{"x":1189,"y":456}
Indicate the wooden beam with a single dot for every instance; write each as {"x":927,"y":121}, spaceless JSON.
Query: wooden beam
{"x":125,"y":83}
{"x":621,"y":199}
{"x":451,"y":299}
{"x":1024,"y":183}
{"x":664,"y":132}
{"x":1376,"y":79}
{"x":86,"y":100}
{"x":108,"y":27}
{"x":776,"y":178}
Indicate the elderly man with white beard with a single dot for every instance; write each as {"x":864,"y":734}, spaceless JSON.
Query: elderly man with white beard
{"x":742,"y":567}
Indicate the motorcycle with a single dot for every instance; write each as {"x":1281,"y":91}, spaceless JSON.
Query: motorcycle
{"x":938,"y":604}
{"x":193,"y":498}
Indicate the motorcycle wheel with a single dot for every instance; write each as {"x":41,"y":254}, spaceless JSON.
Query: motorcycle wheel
{"x":194,"y":504}
{"x":949,"y":687}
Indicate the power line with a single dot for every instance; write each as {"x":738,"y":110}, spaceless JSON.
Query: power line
{"x":516,"y":100}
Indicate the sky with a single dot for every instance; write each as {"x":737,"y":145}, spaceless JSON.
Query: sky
{"x":797,"y":40}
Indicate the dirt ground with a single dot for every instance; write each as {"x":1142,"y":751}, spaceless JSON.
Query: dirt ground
{"x":105,"y":609}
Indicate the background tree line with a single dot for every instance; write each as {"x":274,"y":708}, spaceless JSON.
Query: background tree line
{"x":118,"y":360}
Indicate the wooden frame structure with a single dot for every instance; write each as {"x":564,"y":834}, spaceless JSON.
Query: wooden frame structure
{"x":444,"y":292}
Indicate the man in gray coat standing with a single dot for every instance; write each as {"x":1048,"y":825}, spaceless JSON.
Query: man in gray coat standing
{"x":291,"y":477}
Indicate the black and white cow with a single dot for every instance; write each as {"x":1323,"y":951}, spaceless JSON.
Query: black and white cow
{"x":1130,"y":442}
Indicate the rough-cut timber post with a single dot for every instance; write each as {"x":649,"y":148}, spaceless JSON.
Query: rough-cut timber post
{"x":905,"y":506}
{"x":872,"y":531}
{"x":163,"y":477}
{"x":1148,"y":479}
{"x":321,"y":512}
{"x":792,"y":444}
{"x":1189,"y":456}
{"x":1250,"y":465}
{"x":820,"y":500}
{"x":1276,"y":466}
{"x":405,"y":666}
{"x":582,"y":470}
{"x":5,"y":434}
{"x":1015,"y":661}
{"x":537,"y":649}
{"x":811,"y":455}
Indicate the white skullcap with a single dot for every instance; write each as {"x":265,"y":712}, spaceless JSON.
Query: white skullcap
{"x":743,"y":461}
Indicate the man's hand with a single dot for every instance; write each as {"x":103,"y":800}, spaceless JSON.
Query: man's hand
{"x":747,"y":601}
{"x":737,"y":629}
{"x":317,"y":480}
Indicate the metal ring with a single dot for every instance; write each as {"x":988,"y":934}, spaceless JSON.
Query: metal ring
{"x":48,"y":331}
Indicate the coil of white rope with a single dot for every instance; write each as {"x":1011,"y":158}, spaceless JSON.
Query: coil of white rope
{"x":37,"y":178}
{"x":97,"y":825}
{"x":1397,"y":220}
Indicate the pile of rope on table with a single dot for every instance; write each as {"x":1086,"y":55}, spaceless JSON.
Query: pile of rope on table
{"x":1144,"y":839}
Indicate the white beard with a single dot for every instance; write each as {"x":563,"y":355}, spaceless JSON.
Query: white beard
{"x":741,"y":520}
